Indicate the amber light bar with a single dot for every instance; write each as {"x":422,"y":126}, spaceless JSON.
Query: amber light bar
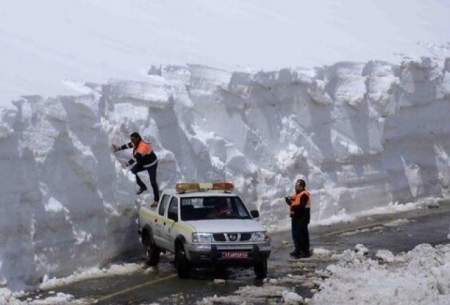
{"x":226,"y":187}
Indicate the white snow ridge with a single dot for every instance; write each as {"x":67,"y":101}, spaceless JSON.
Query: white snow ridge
{"x":421,"y":276}
{"x":363,"y":135}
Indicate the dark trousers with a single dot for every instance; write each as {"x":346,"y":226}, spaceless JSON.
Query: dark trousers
{"x":152,"y":173}
{"x":300,"y":234}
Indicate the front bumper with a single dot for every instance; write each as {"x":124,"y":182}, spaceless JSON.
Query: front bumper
{"x":205,"y":255}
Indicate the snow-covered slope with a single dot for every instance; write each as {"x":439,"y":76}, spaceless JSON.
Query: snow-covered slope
{"x":363,"y":134}
{"x":47,"y":44}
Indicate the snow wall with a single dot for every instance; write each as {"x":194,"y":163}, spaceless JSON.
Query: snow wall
{"x":362,"y":134}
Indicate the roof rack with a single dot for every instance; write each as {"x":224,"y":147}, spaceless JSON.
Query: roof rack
{"x":190,"y":187}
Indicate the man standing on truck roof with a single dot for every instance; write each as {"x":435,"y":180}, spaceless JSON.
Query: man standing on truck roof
{"x":144,"y":158}
{"x":300,"y":206}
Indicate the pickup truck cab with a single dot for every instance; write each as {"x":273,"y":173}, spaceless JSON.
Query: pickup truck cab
{"x":204,"y":225}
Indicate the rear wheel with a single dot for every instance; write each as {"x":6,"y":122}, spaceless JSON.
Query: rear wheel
{"x":152,"y":251}
{"x":261,"y":268}
{"x":181,"y":262}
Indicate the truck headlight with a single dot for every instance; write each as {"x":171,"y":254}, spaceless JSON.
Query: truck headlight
{"x":259,"y":236}
{"x":201,"y":238}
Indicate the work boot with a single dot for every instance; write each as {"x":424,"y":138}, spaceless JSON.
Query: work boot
{"x":294,"y":254}
{"x":304,"y":254}
{"x":141,"y":190}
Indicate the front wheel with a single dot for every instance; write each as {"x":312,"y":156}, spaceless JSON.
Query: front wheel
{"x":261,"y":268}
{"x":181,"y":262}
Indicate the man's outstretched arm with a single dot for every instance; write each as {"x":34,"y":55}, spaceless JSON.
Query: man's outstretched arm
{"x":124,"y":146}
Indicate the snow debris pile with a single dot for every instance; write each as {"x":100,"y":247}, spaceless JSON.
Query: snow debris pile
{"x":362,"y":134}
{"x":421,"y":276}
{"x":385,"y":256}
{"x":9,"y":298}
{"x":291,"y":298}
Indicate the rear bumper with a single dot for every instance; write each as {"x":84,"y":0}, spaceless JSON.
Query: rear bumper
{"x":205,"y":255}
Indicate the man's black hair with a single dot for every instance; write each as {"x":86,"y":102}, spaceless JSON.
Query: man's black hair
{"x":301,"y":182}
{"x":135,"y":135}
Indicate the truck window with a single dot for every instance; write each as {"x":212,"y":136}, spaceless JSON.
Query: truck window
{"x":212,"y":207}
{"x":173,"y":209}
{"x":162,"y":206}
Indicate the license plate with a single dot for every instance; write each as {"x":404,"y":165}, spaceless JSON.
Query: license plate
{"x":235,"y":254}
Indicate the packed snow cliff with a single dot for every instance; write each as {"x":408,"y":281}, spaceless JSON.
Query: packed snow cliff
{"x":364,"y":135}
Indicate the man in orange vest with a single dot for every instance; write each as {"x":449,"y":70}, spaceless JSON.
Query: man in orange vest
{"x":299,"y":207}
{"x":144,"y":158}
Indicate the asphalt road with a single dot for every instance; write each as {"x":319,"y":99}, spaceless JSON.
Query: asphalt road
{"x":396,"y":232}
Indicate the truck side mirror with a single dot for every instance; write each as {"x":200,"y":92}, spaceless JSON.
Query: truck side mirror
{"x":254,"y":213}
{"x":173,"y":216}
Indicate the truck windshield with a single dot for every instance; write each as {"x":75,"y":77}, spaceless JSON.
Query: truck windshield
{"x":219,"y":207}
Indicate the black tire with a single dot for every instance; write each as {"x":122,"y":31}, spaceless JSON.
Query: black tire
{"x":220,"y":270}
{"x":152,"y":251}
{"x":261,"y":268}
{"x":181,"y":262}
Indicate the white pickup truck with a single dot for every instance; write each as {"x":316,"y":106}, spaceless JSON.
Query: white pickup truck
{"x":204,"y":225}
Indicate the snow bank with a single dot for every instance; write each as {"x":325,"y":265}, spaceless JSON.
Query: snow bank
{"x":93,"y":273}
{"x":362,"y":134}
{"x":421,"y":276}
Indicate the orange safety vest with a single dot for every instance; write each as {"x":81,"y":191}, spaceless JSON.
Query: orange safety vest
{"x":143,"y":149}
{"x":295,"y":200}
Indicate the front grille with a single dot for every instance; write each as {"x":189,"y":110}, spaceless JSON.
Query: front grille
{"x":219,"y":237}
{"x":231,"y":237}
{"x":245,"y":236}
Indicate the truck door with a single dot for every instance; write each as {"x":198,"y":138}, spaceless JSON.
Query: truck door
{"x":171,"y":220}
{"x":159,"y":220}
